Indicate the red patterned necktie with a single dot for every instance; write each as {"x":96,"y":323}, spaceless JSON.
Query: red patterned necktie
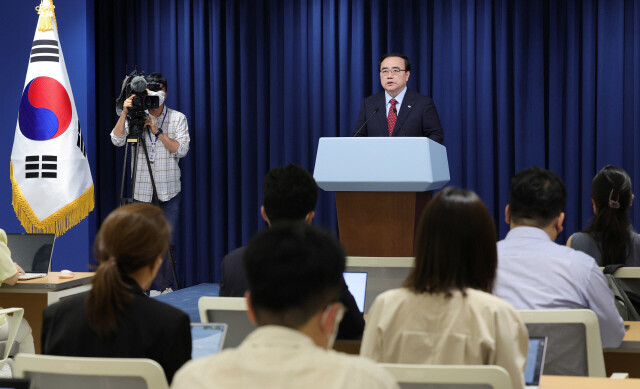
{"x":392,"y":117}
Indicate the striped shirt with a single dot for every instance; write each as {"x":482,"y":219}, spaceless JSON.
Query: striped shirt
{"x":166,"y":171}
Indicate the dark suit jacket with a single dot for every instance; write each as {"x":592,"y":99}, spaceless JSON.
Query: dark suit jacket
{"x":234,"y":283}
{"x":147,"y":329}
{"x":417,"y":117}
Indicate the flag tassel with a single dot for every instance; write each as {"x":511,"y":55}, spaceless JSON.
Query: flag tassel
{"x":59,"y":222}
{"x":47,"y":15}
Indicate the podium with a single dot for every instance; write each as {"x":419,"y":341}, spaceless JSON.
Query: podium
{"x":382,"y":186}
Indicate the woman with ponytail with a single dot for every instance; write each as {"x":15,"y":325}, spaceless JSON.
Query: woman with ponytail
{"x":115,"y":318}
{"x":610,"y":238}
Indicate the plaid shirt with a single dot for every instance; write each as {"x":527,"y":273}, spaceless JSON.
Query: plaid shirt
{"x":166,"y":171}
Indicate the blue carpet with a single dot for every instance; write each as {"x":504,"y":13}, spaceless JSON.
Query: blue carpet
{"x":187,"y":299}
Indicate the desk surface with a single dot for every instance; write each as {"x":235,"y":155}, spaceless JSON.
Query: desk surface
{"x":633,"y":333}
{"x":562,"y":382}
{"x":51,"y":282}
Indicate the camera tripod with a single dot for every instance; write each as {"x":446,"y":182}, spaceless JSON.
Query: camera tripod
{"x":135,"y":141}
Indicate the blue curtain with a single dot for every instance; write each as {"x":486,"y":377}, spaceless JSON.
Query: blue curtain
{"x":517,"y":84}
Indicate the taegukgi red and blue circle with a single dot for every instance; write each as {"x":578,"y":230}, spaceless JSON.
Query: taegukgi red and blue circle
{"x":45,"y":109}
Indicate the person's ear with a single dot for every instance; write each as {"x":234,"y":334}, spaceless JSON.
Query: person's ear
{"x":559,"y":222}
{"x":593,"y":203}
{"x":250,"y":312}
{"x":309,"y":218}
{"x":632,"y":197}
{"x":264,"y":215}
{"x":507,"y":214}
{"x":328,"y":318}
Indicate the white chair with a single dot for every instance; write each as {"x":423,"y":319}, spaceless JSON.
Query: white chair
{"x":229,"y":310}
{"x":383,"y":273}
{"x":410,"y":376}
{"x":573,"y":340}
{"x":14,"y":316}
{"x":57,"y":372}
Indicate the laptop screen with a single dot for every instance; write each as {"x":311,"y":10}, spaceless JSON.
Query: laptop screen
{"x":31,"y":251}
{"x":357,"y":284}
{"x":535,"y":360}
{"x":207,"y":338}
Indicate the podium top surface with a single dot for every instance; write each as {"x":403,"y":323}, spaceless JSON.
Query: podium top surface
{"x":396,"y":164}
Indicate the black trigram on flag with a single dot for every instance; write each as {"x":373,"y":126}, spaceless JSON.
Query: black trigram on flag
{"x":45,"y":50}
{"x":80,"y":142}
{"x":35,"y":169}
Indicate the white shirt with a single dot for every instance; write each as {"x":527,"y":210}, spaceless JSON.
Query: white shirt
{"x":279,"y":357}
{"x":536,"y":273}
{"x":166,"y":171}
{"x":422,"y":328}
{"x":399,"y":98}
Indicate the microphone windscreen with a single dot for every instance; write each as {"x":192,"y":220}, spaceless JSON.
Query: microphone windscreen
{"x":139,"y":84}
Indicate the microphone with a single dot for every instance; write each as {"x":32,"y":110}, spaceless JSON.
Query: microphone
{"x":375,"y":111}
{"x":139,"y":84}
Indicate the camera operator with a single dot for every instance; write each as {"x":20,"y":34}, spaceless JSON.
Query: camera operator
{"x":166,"y":135}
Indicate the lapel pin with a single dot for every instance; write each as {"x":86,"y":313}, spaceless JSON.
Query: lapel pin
{"x":409,"y":106}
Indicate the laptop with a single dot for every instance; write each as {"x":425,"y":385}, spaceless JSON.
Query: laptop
{"x":357,"y":284}
{"x":207,"y":339}
{"x":535,"y":361}
{"x":32,"y":252}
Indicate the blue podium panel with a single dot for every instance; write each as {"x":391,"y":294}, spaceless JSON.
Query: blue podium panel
{"x":400,"y":164}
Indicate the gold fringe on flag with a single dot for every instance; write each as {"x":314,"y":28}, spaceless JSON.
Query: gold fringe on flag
{"x":45,"y":10}
{"x":58,"y":223}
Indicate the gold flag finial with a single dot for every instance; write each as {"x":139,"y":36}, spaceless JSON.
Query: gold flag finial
{"x":45,"y":10}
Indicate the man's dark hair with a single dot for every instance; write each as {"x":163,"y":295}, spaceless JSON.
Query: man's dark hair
{"x":294,"y":270}
{"x":455,"y":245}
{"x":536,"y":197}
{"x":157,"y":78}
{"x":407,"y":64}
{"x":289,"y":193}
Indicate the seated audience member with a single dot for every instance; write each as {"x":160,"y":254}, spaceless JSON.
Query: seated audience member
{"x":536,"y":273}
{"x":115,"y":318}
{"x":445,"y":313}
{"x":9,"y":272}
{"x":610,"y":238}
{"x":295,"y":278}
{"x":289,"y":194}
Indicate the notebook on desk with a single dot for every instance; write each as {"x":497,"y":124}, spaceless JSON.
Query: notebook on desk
{"x":535,"y":361}
{"x":357,"y":284}
{"x":32,"y":252}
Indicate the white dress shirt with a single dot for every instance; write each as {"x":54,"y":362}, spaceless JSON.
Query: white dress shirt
{"x":536,"y":273}
{"x":422,"y":328}
{"x":280,"y":357}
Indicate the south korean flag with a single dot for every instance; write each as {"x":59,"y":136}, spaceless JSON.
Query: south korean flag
{"x":50,"y":176}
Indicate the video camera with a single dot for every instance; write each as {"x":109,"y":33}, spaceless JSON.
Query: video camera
{"x":136,"y":84}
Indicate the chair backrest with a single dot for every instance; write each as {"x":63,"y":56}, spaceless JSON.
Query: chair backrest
{"x":458,"y":376}
{"x":383,"y":273}
{"x":57,"y":372}
{"x":229,"y":310}
{"x":14,"y":316}
{"x":573,"y":346}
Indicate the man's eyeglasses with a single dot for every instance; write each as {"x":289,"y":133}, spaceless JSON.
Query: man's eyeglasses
{"x":394,"y":71}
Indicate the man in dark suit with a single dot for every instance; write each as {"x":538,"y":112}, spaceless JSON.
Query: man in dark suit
{"x":398,"y":111}
{"x":288,"y":194}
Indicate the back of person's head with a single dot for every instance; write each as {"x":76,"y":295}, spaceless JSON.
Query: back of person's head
{"x":455,"y":245}
{"x":612,"y":196}
{"x":294,"y":271}
{"x":289,"y":193}
{"x":536,"y":197}
{"x":132,"y":237}
{"x":407,"y":63}
{"x":156,"y":79}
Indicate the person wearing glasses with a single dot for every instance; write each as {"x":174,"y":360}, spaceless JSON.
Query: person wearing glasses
{"x":295,"y":278}
{"x":398,"y":111}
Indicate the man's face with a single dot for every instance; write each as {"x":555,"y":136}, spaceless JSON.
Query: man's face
{"x":393,"y":83}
